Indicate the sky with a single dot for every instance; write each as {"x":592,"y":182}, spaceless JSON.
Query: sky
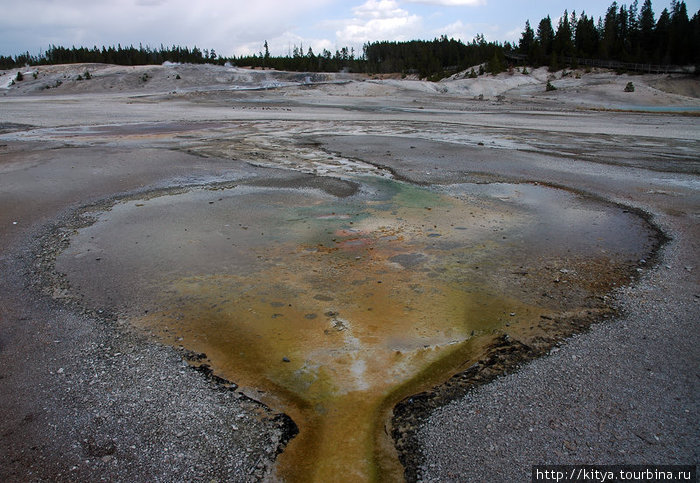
{"x":240,"y":27}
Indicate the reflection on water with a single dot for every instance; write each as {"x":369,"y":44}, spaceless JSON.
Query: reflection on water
{"x":330,"y":309}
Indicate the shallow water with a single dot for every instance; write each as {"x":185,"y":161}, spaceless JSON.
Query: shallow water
{"x":333,"y":309}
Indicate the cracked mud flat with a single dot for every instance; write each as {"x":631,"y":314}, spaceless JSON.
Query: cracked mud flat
{"x":269,"y":278}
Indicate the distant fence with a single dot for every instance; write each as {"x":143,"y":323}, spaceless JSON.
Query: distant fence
{"x":615,"y":65}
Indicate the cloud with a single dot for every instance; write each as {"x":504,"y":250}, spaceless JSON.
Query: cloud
{"x":450,"y":3}
{"x":514,"y":35}
{"x":378,"y":20}
{"x":284,"y":43}
{"x":458,"y":31}
{"x":221,"y":24}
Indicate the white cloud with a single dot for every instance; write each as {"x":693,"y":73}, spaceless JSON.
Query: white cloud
{"x":378,"y":20}
{"x":458,"y":31}
{"x":466,"y":32}
{"x":221,"y":24}
{"x":450,"y":3}
{"x":514,"y":35}
{"x":284,"y":43}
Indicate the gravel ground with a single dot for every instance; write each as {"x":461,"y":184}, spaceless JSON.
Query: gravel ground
{"x":106,"y":404}
{"x":623,"y":393}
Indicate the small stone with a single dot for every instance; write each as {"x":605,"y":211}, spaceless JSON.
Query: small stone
{"x":285,"y":359}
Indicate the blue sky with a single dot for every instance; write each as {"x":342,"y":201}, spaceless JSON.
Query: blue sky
{"x":236,"y":27}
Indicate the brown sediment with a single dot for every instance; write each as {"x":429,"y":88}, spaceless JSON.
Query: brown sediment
{"x":329,"y":364}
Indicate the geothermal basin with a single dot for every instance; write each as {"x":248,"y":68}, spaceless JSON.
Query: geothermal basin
{"x":332,"y":304}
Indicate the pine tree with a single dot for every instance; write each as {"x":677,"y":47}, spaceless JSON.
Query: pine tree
{"x":661,"y":36}
{"x":586,"y":41}
{"x":680,"y":33}
{"x":609,"y":38}
{"x":647,"y":25}
{"x":563,"y":44}
{"x":544,"y":40}
{"x":527,"y":40}
{"x":545,"y":35}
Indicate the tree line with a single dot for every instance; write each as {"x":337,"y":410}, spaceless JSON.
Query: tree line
{"x":298,"y":60}
{"x":112,"y":55}
{"x":435,"y":58}
{"x":625,"y":33}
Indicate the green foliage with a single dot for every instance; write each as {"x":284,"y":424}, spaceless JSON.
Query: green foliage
{"x":497,"y":63}
{"x":113,"y":55}
{"x":87,"y":75}
{"x":553,"y":63}
{"x":625,"y":34}
{"x":629,"y":87}
{"x":19,"y":77}
{"x":527,"y":40}
{"x":550,"y":87}
{"x":428,"y":58}
{"x":35,"y":74}
{"x":545,"y":35}
{"x":178,"y":77}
